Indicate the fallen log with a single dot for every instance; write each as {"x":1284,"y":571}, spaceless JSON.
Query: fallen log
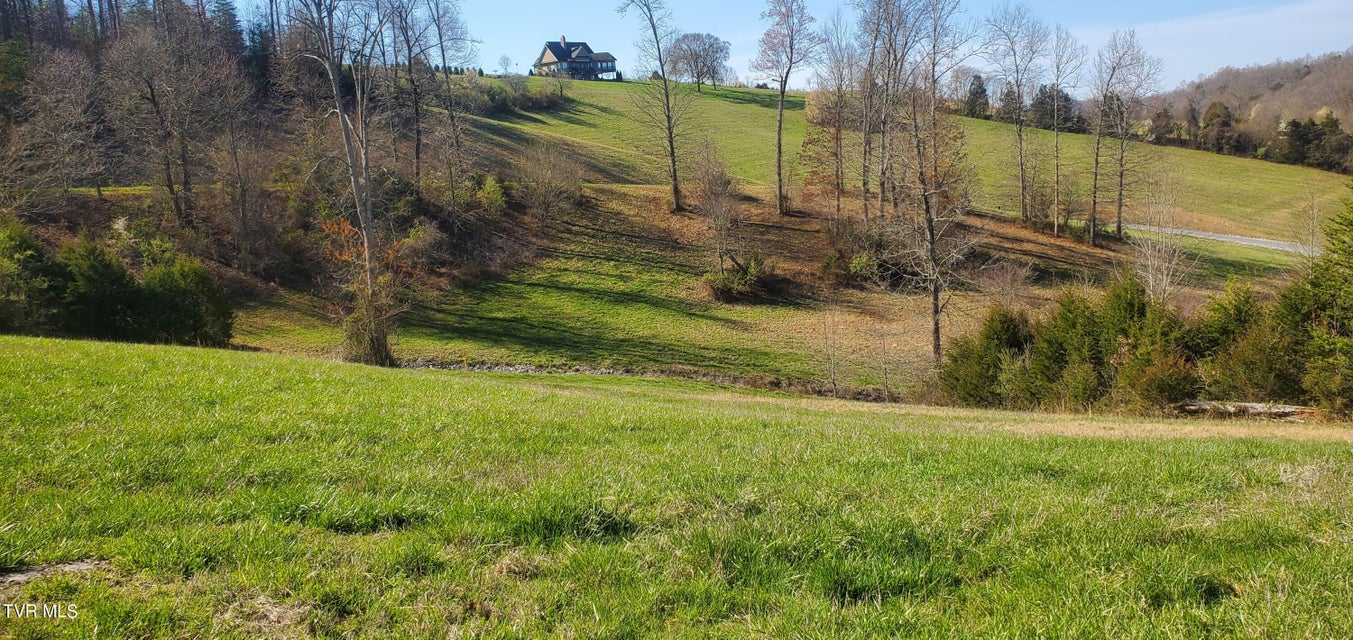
{"x":1243,"y":409}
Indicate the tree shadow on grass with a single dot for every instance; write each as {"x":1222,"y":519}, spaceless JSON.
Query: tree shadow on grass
{"x":584,"y":343}
{"x":766,"y":98}
{"x":1210,"y":267}
{"x":632,"y":298}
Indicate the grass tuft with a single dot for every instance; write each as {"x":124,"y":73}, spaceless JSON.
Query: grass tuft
{"x":553,"y":517}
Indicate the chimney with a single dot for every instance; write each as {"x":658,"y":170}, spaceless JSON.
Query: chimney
{"x":563,"y":43}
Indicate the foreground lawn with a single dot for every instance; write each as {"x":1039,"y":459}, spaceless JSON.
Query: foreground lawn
{"x":233,"y":494}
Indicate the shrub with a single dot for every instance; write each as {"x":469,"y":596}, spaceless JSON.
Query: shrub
{"x":743,"y":281}
{"x":1123,"y":310}
{"x":1259,"y":366}
{"x":1158,"y":378}
{"x":491,"y":196}
{"x":1071,"y":338}
{"x":1016,"y":384}
{"x":186,"y":306}
{"x":549,"y":185}
{"x":31,"y":283}
{"x":1079,"y":385}
{"x":1223,"y":320}
{"x":366,"y":337}
{"x":973,"y":365}
{"x":967,"y":374}
{"x":102,"y":300}
{"x":1329,"y":373}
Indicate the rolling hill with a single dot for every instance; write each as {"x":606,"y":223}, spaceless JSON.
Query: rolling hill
{"x":1215,"y":193}
{"x":618,"y":285}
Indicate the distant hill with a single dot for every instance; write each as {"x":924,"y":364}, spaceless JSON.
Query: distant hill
{"x":1264,"y":96}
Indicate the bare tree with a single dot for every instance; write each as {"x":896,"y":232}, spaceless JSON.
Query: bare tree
{"x":939,"y":174}
{"x":453,"y":46}
{"x":339,"y":34}
{"x":658,"y":99}
{"x":890,"y":33}
{"x":1307,"y":227}
{"x":548,"y":184}
{"x":1159,"y":258}
{"x":1068,"y":56}
{"x":505,"y":64}
{"x":1018,"y":40}
{"x":716,"y":191}
{"x":56,"y":145}
{"x":414,"y":33}
{"x":1123,"y":73}
{"x":699,"y":57}
{"x":163,"y":80}
{"x":789,"y":42}
{"x":835,"y":77}
{"x":1136,"y":82}
{"x":561,"y":80}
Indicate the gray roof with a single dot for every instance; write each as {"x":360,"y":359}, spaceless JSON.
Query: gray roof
{"x":575,"y":51}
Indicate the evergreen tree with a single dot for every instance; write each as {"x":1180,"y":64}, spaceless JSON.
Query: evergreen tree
{"x":1192,"y":123}
{"x":227,"y":24}
{"x":977,"y":104}
{"x":257,"y":61}
{"x":1010,"y":106}
{"x":1046,"y":103}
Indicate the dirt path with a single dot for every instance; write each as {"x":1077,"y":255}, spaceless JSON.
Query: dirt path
{"x":1249,"y":241}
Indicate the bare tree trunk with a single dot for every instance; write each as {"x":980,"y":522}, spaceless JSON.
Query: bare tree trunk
{"x":357,"y":181}
{"x":417,"y":102}
{"x":1122,"y":180}
{"x":781,"y":201}
{"x":1094,"y":185}
{"x":186,"y":188}
{"x":93,"y":19}
{"x":173,"y":193}
{"x":650,"y":10}
{"x":1056,"y":162}
{"x":1023,"y":167}
{"x":866,"y":145}
{"x":839,"y":151}
{"x":241,"y":194}
{"x":671,"y":147}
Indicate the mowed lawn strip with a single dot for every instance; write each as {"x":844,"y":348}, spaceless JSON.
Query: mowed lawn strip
{"x":239,"y":494}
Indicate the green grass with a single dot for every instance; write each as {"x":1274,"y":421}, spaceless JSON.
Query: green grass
{"x":1215,"y":261}
{"x":602,"y":123}
{"x":244,"y":495}
{"x":1222,"y":193}
{"x":613,"y":292}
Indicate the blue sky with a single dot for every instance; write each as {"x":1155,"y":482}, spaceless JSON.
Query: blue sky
{"x":1193,"y":37}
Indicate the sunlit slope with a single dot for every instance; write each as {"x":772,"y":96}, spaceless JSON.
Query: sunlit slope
{"x":603,"y":130}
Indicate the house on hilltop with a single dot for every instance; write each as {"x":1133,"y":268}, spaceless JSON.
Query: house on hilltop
{"x":575,"y":59}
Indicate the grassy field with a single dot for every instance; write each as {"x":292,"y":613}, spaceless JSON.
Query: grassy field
{"x":618,"y":285}
{"x":601,"y":127}
{"x":1216,"y":193}
{"x":229,"y":494}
